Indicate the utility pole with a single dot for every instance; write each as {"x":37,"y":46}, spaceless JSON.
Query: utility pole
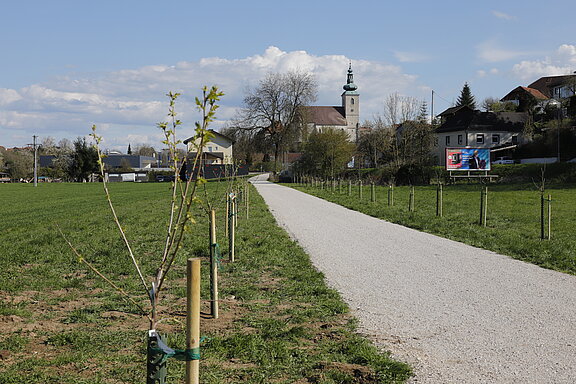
{"x":35,"y":146}
{"x":432,"y":110}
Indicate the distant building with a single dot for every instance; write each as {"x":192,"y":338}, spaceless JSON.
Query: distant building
{"x":536,"y":96}
{"x":345,"y":117}
{"x":114,"y":161}
{"x":133,"y":161}
{"x":464,"y":127}
{"x":216,"y":151}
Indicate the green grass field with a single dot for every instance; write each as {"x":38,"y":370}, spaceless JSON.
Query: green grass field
{"x":279,"y":322}
{"x":513,"y":219}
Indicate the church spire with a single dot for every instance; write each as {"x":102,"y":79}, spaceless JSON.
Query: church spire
{"x":350,"y":86}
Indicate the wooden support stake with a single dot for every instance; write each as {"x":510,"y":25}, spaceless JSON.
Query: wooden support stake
{"x":411,"y":201}
{"x":236,"y":211}
{"x":349,"y":187}
{"x":213,"y":267}
{"x":247,"y":200}
{"x":485,"y":206}
{"x":231,"y":231}
{"x":227,"y":219}
{"x":193,"y":319}
{"x":372,"y":193}
{"x":481,"y":220}
{"x":360,"y":189}
{"x":439,"y":201}
{"x":390,"y":196}
{"x":549,"y":217}
{"x":542,"y":234}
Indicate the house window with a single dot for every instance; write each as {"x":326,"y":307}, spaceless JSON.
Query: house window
{"x":495,"y":139}
{"x":447,"y":140}
{"x":515,"y":139}
{"x":460,"y":140}
{"x":480,"y":138}
{"x":209,"y":149}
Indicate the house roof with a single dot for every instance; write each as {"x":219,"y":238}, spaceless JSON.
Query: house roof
{"x":485,"y":121}
{"x":545,"y":84}
{"x":324,"y":115}
{"x":516,"y":92}
{"x":215,"y":133}
{"x":454,"y":110}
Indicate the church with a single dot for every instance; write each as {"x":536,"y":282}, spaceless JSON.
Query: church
{"x":345,"y":117}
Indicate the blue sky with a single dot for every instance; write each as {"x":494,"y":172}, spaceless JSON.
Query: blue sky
{"x":69,"y":64}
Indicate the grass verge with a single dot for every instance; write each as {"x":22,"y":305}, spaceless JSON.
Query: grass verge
{"x":279,"y":321}
{"x":513,"y":219}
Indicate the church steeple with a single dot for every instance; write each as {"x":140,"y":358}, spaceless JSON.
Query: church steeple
{"x":351,"y":106}
{"x":350,"y":87}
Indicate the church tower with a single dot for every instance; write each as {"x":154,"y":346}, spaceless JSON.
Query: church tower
{"x":351,"y":106}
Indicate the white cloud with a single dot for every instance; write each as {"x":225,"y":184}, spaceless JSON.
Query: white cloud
{"x":410,"y":57}
{"x":8,"y":96}
{"x":503,"y":16}
{"x":491,"y":52}
{"x":561,"y":62}
{"x":483,"y":73}
{"x":126,"y":104}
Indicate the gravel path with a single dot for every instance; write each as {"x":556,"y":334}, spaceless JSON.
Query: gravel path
{"x":456,"y":313}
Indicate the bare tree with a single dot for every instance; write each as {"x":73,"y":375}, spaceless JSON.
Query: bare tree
{"x":377,"y":144}
{"x":144,"y":150}
{"x":399,"y":110}
{"x":272,"y":108}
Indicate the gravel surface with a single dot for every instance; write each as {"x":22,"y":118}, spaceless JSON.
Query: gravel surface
{"x":456,"y":313}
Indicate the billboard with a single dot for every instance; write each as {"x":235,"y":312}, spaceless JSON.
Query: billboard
{"x":467,"y":159}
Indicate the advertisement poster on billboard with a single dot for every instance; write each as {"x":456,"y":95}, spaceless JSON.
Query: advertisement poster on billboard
{"x":467,"y":159}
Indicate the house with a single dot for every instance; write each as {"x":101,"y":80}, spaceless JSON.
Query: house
{"x":536,"y":96}
{"x":464,"y":127}
{"x":218,"y":150}
{"x":526,"y":99}
{"x":556,"y":87}
{"x":345,"y":117}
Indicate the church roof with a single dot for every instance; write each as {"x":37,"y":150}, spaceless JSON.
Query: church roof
{"x":324,"y":115}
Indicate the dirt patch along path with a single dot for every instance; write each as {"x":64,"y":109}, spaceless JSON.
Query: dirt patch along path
{"x":458,"y":314}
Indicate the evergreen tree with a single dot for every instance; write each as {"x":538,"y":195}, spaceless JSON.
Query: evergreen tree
{"x":129,"y":149}
{"x":423,"y":114}
{"x":466,"y":97}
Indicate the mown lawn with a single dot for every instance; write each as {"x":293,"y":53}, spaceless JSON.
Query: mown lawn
{"x":279,"y":322}
{"x":513,"y":219}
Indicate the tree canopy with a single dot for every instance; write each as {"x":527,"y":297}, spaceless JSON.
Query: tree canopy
{"x":271,"y":110}
{"x":327,"y":153}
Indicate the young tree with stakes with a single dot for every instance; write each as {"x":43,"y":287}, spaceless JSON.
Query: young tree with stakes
{"x":183,"y":196}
